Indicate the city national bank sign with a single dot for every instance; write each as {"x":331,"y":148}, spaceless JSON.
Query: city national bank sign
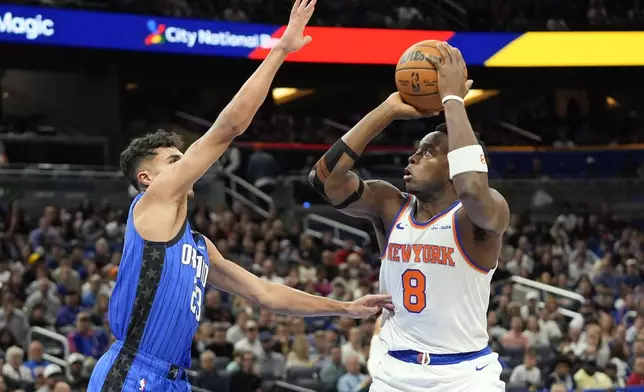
{"x":50,"y":26}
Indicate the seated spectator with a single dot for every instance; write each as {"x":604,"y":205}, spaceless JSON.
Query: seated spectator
{"x":93,"y":289}
{"x":637,"y":377}
{"x":207,"y":376}
{"x":299,"y":355}
{"x":236,"y":363}
{"x":75,"y":377}
{"x":494,"y":330}
{"x":62,"y":387}
{"x":561,"y":374}
{"x":245,"y":379}
{"x":588,"y":377}
{"x":67,"y":314}
{"x":251,"y":341}
{"x":334,"y":369}
{"x":559,"y":388}
{"x":534,"y":333}
{"x":87,"y":340}
{"x":515,"y":336}
{"x":273,"y":363}
{"x":611,"y":372}
{"x":53,"y":375}
{"x":14,"y":367}
{"x":352,"y":380}
{"x":14,"y":320}
{"x":353,"y":346}
{"x":214,"y":310}
{"x":527,"y":373}
{"x":36,"y":363}
{"x":219,"y":345}
{"x":237,"y":331}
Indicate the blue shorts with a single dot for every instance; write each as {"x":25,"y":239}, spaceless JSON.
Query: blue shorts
{"x":123,"y":369}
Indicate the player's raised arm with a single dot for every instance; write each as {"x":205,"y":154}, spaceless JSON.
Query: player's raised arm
{"x":331,"y":175}
{"x":278,"y":298}
{"x":173,"y":184}
{"x":485,"y":206}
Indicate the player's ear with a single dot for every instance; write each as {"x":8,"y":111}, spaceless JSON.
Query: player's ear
{"x":145,"y":178}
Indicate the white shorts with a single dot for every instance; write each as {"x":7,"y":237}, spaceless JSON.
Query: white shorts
{"x":482,"y":374}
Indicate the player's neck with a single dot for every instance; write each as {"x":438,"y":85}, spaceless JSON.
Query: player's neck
{"x":426,"y":210}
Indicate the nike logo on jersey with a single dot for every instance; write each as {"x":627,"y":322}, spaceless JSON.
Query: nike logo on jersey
{"x":420,"y":253}
{"x":400,"y":226}
{"x":479,"y":368}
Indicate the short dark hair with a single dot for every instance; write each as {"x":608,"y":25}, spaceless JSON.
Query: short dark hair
{"x":442,"y":127}
{"x":143,"y":148}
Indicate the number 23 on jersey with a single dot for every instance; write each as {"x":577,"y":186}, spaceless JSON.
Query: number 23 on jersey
{"x":414,"y":296}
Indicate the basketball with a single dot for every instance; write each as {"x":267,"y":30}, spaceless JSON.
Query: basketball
{"x":417,"y":79}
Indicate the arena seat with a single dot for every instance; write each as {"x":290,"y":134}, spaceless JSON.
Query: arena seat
{"x":300,"y":372}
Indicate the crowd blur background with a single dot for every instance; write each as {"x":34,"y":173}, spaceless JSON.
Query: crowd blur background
{"x":567,"y":305}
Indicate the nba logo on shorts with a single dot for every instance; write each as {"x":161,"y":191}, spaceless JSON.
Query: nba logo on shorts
{"x":142,"y":384}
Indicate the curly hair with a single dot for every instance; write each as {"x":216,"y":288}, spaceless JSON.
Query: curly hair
{"x":144,"y":148}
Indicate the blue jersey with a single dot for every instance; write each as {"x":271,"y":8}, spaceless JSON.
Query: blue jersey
{"x":157,"y":301}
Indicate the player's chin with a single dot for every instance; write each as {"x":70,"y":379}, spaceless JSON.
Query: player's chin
{"x":191,"y":194}
{"x":410,"y":188}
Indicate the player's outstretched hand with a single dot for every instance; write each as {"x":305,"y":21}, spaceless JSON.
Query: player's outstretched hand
{"x":293,"y":38}
{"x":451,"y":71}
{"x":403,"y":111}
{"x":369,"y":305}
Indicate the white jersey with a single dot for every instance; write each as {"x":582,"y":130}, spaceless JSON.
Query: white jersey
{"x":440,"y":296}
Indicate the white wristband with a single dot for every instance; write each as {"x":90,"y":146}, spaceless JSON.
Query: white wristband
{"x":452,"y":98}
{"x":466,"y":159}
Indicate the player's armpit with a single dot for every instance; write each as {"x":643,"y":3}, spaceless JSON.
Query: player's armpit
{"x":485,"y":206}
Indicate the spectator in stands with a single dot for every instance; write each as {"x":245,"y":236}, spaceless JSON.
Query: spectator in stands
{"x":637,"y":377}
{"x":558,"y":388}
{"x":67,"y":313}
{"x":534,"y":333}
{"x":268,"y":272}
{"x":45,"y":295}
{"x":273,"y":364}
{"x":214,"y":310}
{"x":299,"y":355}
{"x":66,"y":276}
{"x":75,"y":377}
{"x":237,"y":331}
{"x":36,"y":364}
{"x":86,"y":340}
{"x":3,"y":385}
{"x":219,"y":345}
{"x":207,"y":376}
{"x":588,"y":377}
{"x":39,"y":318}
{"x":527,"y":373}
{"x":334,"y":369}
{"x":251,"y":341}
{"x":561,"y":374}
{"x":352,"y":380}
{"x":62,"y":387}
{"x":353,"y":347}
{"x":530,"y":309}
{"x":515,"y":336}
{"x":320,"y":350}
{"x":245,"y":379}
{"x":53,"y":375}
{"x":14,"y":367}
{"x":13,"y":319}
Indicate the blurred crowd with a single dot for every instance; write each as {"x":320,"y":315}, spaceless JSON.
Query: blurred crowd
{"x":477,"y":15}
{"x":57,"y":270}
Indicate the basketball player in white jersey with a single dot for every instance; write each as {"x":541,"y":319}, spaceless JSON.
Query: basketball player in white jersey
{"x":440,"y":242}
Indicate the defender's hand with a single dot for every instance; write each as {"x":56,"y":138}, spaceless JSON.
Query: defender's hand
{"x":403,"y":111}
{"x":293,"y":38}
{"x":451,"y":71}
{"x":369,"y":305}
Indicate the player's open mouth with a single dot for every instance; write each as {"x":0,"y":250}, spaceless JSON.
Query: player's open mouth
{"x":407,"y":175}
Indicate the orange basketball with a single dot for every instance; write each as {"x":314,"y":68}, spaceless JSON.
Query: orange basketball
{"x":417,"y":79}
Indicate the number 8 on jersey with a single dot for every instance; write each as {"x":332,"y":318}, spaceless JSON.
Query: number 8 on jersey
{"x":414,"y":297}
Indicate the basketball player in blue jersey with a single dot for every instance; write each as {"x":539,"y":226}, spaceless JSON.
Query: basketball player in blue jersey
{"x":157,"y":302}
